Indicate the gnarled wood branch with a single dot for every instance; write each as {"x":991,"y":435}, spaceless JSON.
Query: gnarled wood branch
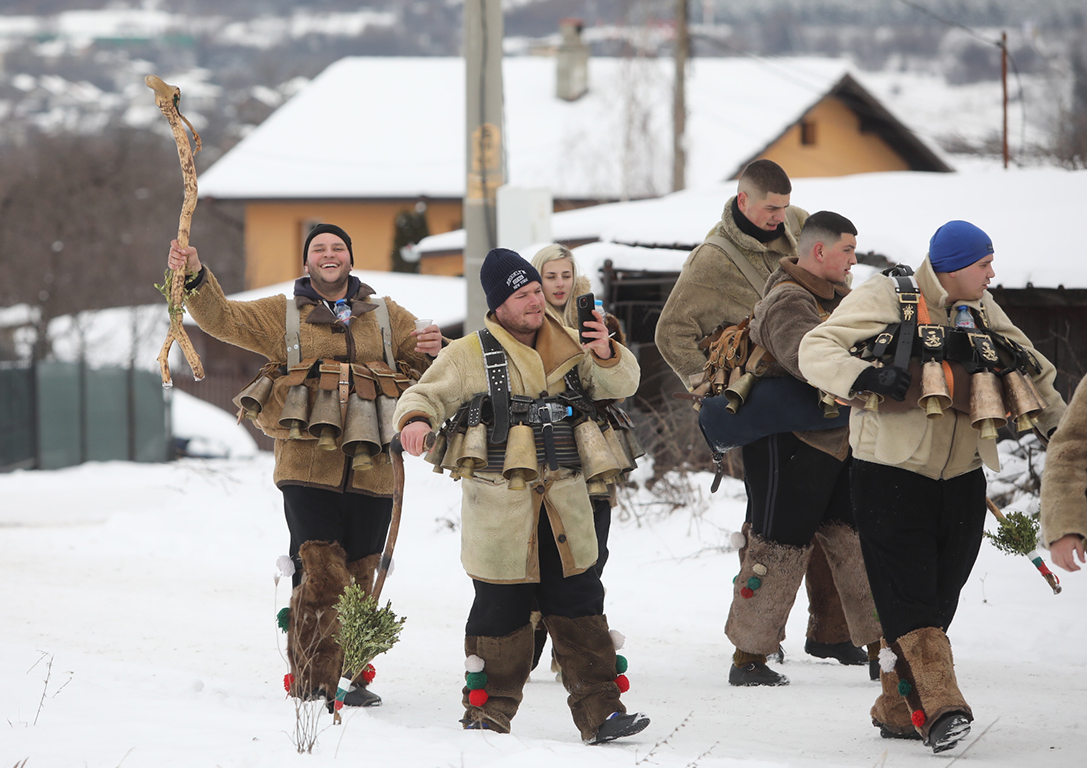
{"x":167,"y":98}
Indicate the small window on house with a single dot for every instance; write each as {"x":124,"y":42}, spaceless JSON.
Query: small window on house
{"x":807,"y":133}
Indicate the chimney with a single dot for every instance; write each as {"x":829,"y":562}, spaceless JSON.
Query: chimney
{"x":572,"y":62}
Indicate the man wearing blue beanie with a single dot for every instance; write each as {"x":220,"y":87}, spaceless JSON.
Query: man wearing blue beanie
{"x":527,"y":532}
{"x":917,"y":483}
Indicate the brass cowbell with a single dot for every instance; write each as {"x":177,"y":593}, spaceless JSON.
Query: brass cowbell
{"x":598,"y":464}
{"x":474,"y":454}
{"x":325,"y":423}
{"x":253,"y":398}
{"x":1020,"y":399}
{"x":295,"y":415}
{"x":361,"y":438}
{"x":935,"y":395}
{"x":739,"y":389}
{"x":986,"y":404}
{"x":520,"y":465}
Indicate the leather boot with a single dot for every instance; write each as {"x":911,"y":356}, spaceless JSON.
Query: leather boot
{"x":827,"y":624}
{"x":507,"y":662}
{"x":364,"y":572}
{"x":924,"y":661}
{"x":842,"y":547}
{"x":763,"y":594}
{"x":586,"y":653}
{"x":890,"y":713}
{"x":314,"y":655}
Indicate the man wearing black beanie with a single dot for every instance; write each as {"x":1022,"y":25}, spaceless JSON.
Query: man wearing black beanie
{"x":527,"y":532}
{"x":337,"y":503}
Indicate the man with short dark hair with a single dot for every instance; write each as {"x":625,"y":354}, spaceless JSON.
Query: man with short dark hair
{"x":798,"y":482}
{"x":537,"y":542}
{"x":720,"y":283}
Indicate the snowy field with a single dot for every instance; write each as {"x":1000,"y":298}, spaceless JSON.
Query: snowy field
{"x":138,"y":630}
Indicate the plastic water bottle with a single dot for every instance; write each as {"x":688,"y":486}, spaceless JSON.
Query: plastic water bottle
{"x":963,"y":317}
{"x":343,"y":312}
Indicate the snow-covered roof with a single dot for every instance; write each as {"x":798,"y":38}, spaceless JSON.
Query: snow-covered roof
{"x":394,"y":127}
{"x":895,"y":214}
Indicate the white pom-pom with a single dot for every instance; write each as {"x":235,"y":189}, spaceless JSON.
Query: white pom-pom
{"x":285,"y":566}
{"x":473,"y":664}
{"x":739,"y":541}
{"x":618,"y":639}
{"x":887,"y":660}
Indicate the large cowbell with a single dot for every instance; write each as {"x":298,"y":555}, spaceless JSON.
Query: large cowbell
{"x":295,"y":414}
{"x":325,"y":421}
{"x":253,"y":398}
{"x":361,"y":433}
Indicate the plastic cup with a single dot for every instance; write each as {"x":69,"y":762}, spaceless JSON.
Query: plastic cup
{"x":423,"y":323}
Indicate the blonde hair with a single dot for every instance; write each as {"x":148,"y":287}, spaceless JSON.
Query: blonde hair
{"x":554,"y":252}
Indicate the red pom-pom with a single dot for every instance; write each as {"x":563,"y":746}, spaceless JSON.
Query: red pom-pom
{"x":477,"y":698}
{"x":918,"y":718}
{"x":747,"y":592}
{"x":338,"y":705}
{"x":623,"y":683}
{"x":288,"y":681}
{"x":368,"y":674}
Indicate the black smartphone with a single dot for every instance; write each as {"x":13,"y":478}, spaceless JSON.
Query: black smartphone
{"x":586,"y":303}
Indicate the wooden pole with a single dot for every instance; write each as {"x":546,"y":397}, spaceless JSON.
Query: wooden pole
{"x":679,"y":100}
{"x":1004,"y":84}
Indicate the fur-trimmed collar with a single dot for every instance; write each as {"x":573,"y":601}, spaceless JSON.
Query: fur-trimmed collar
{"x":823,"y":289}
{"x":357,"y":293}
{"x":555,"y":350}
{"x":728,"y":228}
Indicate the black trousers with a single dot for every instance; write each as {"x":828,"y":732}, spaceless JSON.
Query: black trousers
{"x":792,"y":489}
{"x":358,"y":522}
{"x":500,"y":609}
{"x":920,"y":538}
{"x":602,"y":524}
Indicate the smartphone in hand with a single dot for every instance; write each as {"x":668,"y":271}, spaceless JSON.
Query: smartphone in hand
{"x":586,"y":303}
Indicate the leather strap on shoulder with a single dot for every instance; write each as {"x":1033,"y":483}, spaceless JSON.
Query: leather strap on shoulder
{"x":498,"y":383}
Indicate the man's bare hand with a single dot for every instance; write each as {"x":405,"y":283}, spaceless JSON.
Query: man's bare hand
{"x":1064,"y":551}
{"x":183,"y":257}
{"x":598,"y":333}
{"x":428,"y":341}
{"x":413,"y":437}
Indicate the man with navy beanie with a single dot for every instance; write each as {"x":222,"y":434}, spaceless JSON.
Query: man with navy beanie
{"x":527,"y":535}
{"x":917,"y":482}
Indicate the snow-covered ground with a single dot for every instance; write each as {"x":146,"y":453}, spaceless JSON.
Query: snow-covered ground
{"x":139,"y":630}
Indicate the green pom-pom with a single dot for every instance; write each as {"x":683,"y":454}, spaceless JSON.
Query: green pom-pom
{"x":754,"y":582}
{"x":620,"y":665}
{"x":904,"y":687}
{"x":475,"y":680}
{"x":283,"y":619}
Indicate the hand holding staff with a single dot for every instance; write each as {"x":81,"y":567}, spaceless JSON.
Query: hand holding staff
{"x":167,"y":97}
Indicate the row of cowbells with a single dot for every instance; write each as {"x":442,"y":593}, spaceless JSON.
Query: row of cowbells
{"x":993,"y":399}
{"x":605,"y":454}
{"x":364,"y":432}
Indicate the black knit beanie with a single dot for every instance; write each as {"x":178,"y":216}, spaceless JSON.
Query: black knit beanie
{"x":504,"y":272}
{"x":321,"y":229}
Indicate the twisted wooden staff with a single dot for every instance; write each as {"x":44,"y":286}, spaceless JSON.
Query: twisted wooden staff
{"x":167,"y":98}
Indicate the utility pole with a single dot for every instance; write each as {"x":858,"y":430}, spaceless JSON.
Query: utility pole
{"x":1004,"y":84}
{"x":485,"y":156}
{"x":679,"y":99}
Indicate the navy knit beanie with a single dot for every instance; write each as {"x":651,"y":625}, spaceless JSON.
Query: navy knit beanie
{"x":503,"y":273}
{"x":958,"y":244}
{"x":332,"y":229}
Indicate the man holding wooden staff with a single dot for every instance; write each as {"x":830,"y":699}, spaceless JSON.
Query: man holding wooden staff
{"x":338,"y":357}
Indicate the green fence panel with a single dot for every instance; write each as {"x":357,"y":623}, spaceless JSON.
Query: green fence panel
{"x":60,"y":427}
{"x":105,"y":414}
{"x":16,"y":418}
{"x":153,"y":439}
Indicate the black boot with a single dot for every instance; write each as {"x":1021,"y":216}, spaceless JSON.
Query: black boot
{"x":361,"y":696}
{"x":755,"y":673}
{"x":618,"y":725}
{"x":844,"y":653}
{"x":948,"y":731}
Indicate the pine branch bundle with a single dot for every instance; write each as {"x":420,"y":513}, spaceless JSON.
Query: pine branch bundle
{"x":1017,"y":534}
{"x":365,"y":630}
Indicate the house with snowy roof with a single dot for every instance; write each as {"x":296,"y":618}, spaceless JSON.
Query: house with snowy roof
{"x":370,"y":139}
